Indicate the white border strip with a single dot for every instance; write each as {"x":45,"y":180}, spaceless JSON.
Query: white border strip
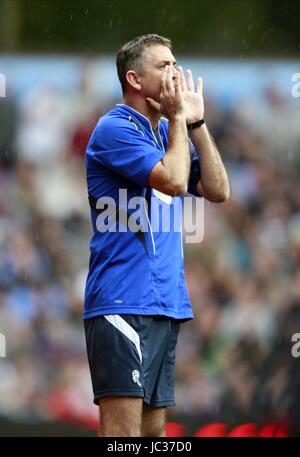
{"x":151,"y":233}
{"x":118,"y":322}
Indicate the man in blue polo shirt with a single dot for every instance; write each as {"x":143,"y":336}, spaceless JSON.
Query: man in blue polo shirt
{"x":143,"y":156}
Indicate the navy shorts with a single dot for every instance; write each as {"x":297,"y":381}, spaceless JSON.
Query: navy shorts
{"x":132,"y":356}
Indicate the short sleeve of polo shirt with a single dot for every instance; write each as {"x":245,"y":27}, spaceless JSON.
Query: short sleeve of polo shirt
{"x":118,"y":145}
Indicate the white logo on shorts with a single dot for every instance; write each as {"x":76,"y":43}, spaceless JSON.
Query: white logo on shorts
{"x":136,"y":377}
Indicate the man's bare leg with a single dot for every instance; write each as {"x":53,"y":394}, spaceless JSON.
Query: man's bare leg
{"x":153,"y":421}
{"x":120,"y":416}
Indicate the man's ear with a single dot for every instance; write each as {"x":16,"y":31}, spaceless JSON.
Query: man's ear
{"x":133,"y":79}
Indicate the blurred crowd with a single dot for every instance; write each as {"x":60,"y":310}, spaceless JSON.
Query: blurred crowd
{"x":234,"y":360}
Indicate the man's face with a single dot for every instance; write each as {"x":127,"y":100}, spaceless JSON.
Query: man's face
{"x":156,"y":57}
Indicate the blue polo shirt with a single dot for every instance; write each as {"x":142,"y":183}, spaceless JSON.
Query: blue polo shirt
{"x":138,"y":271}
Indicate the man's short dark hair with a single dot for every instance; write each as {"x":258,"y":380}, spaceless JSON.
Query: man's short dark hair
{"x":130,"y":56}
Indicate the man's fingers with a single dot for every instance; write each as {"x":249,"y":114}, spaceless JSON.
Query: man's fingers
{"x":190,"y":82}
{"x":165,"y":86}
{"x":153,"y":103}
{"x":169,"y":80}
{"x":178,"y":84}
{"x":182,"y":79}
{"x":163,"y":79}
{"x":200,"y":85}
{"x":167,"y":77}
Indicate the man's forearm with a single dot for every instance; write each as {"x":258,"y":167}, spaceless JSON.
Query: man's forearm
{"x":214,"y":184}
{"x":177,"y":158}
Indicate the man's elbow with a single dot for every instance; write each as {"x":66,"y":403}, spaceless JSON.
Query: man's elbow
{"x":214,"y":195}
{"x":179,"y":188}
{"x":171,"y":188}
{"x":221,"y":196}
{"x":167,"y":181}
